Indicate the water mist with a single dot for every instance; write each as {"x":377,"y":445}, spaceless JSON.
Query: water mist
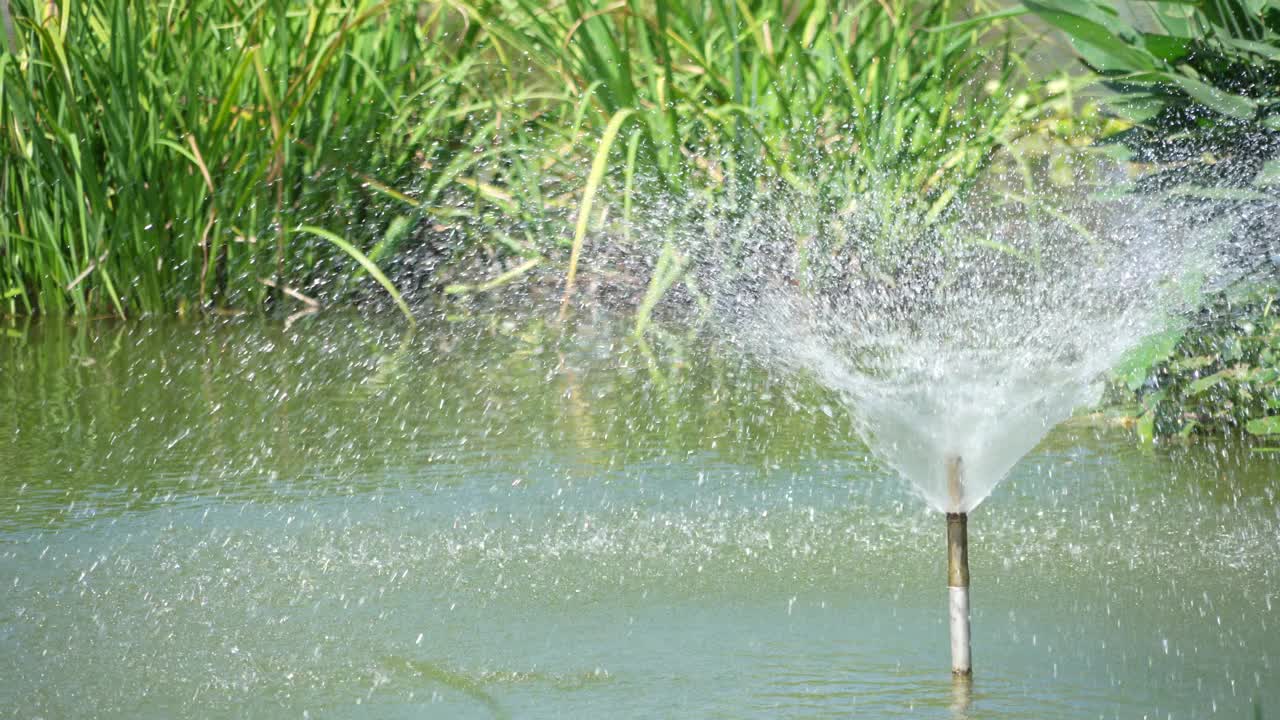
{"x":955,"y":346}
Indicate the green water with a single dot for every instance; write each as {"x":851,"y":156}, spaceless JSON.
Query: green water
{"x":489,"y":520}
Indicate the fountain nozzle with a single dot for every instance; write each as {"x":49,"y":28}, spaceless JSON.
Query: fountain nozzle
{"x":958,"y":571}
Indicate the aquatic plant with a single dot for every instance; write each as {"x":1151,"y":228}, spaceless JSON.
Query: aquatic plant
{"x":162,"y":157}
{"x":721,"y":89}
{"x":166,"y":158}
{"x":1218,"y":374}
{"x":1203,"y":93}
{"x":1202,"y":90}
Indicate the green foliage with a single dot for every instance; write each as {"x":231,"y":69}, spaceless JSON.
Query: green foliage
{"x":879,"y":92}
{"x":1203,"y":95}
{"x":1223,"y":374}
{"x":156,"y":155}
{"x":161,"y":157}
{"x":749,"y":109}
{"x":1269,"y":425}
{"x":1133,"y":368}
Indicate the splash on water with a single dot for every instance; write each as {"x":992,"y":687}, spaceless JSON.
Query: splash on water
{"x":967,"y":340}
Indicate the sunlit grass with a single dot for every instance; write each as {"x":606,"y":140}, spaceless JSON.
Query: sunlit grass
{"x":157,"y":155}
{"x":162,"y":157}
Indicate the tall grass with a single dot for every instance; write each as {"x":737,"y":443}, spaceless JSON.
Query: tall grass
{"x":901,"y":104}
{"x":160,"y":155}
{"x":166,"y":156}
{"x":892,"y":90}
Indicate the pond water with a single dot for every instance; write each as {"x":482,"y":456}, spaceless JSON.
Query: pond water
{"x":488,"y":519}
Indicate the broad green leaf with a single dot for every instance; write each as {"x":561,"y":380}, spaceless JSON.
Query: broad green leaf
{"x":1269,"y":51}
{"x":1147,"y":426}
{"x":1176,"y":17}
{"x":817,"y":16}
{"x":1169,"y":48}
{"x":1262,"y":375}
{"x":397,"y":231}
{"x":1135,"y":365}
{"x":1264,"y":425}
{"x":1192,"y":363}
{"x":1269,"y":174}
{"x":1223,"y":102}
{"x":1101,"y":38}
{"x":1226,"y":103}
{"x":1138,"y":108}
{"x":1207,"y":382}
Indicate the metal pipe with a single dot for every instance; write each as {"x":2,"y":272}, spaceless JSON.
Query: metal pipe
{"x":958,"y":572}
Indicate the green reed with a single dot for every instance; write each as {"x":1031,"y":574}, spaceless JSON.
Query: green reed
{"x":168,"y":156}
{"x":159,"y":156}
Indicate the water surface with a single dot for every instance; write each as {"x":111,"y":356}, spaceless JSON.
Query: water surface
{"x":488,"y":519}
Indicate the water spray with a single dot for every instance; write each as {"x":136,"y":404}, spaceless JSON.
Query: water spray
{"x":954,"y":365}
{"x":958,"y":570}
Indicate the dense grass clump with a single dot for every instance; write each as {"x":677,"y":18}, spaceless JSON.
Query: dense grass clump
{"x":159,"y":156}
{"x":219,"y":154}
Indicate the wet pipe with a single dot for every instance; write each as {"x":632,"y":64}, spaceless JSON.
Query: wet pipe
{"x":958,"y":571}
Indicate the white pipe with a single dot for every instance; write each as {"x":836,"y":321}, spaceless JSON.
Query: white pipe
{"x":961,"y":660}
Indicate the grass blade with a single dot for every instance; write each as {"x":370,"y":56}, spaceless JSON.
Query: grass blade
{"x":598,"y":166}
{"x":366,"y":263}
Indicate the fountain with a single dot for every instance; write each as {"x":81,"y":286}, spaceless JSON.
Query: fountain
{"x":958,"y":353}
